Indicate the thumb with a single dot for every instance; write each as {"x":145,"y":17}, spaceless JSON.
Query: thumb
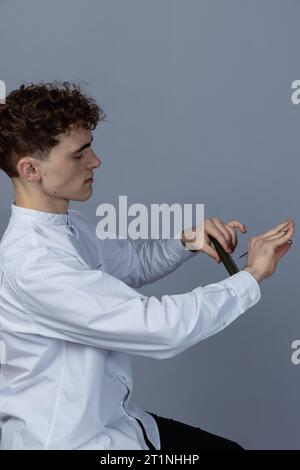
{"x":282,"y":250}
{"x":210,"y":251}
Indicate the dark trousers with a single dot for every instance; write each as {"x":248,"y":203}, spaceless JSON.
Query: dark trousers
{"x":175,"y":435}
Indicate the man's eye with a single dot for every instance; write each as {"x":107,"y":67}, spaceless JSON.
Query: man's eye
{"x":77,"y":158}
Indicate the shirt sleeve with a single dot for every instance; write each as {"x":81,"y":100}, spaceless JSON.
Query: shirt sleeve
{"x":66,"y":301}
{"x":138,"y":264}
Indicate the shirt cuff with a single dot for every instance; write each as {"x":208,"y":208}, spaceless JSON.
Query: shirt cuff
{"x":175,"y":245}
{"x":246,"y":288}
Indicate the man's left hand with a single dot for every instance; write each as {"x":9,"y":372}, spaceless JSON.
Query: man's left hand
{"x":226,"y":234}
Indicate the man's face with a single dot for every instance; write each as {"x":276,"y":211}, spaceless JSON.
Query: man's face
{"x":70,"y":163}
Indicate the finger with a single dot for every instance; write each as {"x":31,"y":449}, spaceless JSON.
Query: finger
{"x":210,"y":250}
{"x":233,"y":237}
{"x":276,"y":229}
{"x":237,"y":224}
{"x":226,"y":232}
{"x":213,"y":254}
{"x":213,"y":230}
{"x":281,"y":240}
{"x":281,"y":232}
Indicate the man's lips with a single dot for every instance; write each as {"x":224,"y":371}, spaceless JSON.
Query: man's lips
{"x":90,"y":180}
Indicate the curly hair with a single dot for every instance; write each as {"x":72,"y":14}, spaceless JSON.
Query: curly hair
{"x":33,"y":116}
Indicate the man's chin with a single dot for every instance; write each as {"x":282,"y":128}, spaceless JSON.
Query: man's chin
{"x":81,"y":197}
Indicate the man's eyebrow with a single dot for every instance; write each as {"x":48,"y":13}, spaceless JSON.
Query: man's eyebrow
{"x":83,"y":147}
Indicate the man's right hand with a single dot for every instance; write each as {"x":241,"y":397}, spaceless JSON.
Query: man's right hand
{"x":264,"y":251}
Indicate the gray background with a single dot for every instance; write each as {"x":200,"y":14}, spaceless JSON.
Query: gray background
{"x":198,"y":94}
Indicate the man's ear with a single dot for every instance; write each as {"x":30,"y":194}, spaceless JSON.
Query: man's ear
{"x":28,"y":169}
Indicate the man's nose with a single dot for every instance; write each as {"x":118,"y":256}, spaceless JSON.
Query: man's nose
{"x":95,"y":162}
{"x":98,"y":162}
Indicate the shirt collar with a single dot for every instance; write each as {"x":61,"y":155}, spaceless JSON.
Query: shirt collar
{"x":39,"y":217}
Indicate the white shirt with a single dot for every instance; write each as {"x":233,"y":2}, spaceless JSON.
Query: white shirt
{"x":70,"y":318}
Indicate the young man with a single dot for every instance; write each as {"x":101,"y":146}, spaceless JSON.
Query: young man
{"x":69,"y":314}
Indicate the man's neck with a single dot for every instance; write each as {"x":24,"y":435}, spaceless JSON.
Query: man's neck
{"x":54,"y":207}
{"x":37,"y":200}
